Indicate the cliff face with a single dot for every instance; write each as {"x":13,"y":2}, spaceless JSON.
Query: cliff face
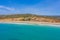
{"x":29,"y":17}
{"x":46,"y":20}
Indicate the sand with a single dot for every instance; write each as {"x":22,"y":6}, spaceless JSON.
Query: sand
{"x":32,"y":23}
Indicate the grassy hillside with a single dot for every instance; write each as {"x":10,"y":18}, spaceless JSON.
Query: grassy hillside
{"x":27,"y":15}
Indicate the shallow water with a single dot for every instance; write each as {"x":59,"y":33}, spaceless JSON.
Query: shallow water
{"x":28,"y":32}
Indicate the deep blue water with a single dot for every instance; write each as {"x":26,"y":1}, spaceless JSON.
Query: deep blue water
{"x":28,"y":32}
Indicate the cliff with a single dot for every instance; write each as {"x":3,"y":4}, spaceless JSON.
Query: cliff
{"x":30,"y":17}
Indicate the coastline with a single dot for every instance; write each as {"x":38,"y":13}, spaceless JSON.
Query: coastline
{"x":32,"y":23}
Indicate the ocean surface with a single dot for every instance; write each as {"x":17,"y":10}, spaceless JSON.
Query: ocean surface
{"x":28,"y":32}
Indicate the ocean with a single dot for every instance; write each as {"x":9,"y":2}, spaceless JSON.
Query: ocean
{"x":28,"y":32}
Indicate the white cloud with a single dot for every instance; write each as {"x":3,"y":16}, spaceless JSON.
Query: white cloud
{"x":8,"y":8}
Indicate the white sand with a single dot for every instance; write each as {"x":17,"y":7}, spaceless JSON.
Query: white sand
{"x":32,"y":22}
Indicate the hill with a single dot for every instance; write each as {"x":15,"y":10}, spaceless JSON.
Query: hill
{"x":30,"y":17}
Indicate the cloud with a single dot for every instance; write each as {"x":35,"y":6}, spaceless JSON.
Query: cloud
{"x":8,"y":8}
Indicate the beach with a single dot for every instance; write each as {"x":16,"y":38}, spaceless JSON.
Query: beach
{"x":32,"y":23}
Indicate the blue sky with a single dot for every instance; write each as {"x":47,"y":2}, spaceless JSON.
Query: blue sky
{"x":40,"y":7}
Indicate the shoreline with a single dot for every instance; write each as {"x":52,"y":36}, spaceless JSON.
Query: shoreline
{"x":32,"y":23}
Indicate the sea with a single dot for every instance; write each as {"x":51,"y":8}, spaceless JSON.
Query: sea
{"x":28,"y":32}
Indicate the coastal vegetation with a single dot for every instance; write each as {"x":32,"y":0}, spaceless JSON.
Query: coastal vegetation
{"x":30,"y":17}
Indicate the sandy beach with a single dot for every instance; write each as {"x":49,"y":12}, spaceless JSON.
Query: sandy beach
{"x":33,"y":23}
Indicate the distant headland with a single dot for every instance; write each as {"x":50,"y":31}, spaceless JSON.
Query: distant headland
{"x":30,"y":18}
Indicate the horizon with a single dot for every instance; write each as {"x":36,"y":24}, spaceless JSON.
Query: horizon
{"x":28,"y":13}
{"x":38,"y":7}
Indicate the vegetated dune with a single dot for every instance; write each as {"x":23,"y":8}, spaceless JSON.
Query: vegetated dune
{"x":30,"y":17}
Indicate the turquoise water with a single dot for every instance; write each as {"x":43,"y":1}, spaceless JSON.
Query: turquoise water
{"x":28,"y":32}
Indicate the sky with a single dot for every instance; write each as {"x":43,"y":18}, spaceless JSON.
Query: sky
{"x":39,"y":7}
